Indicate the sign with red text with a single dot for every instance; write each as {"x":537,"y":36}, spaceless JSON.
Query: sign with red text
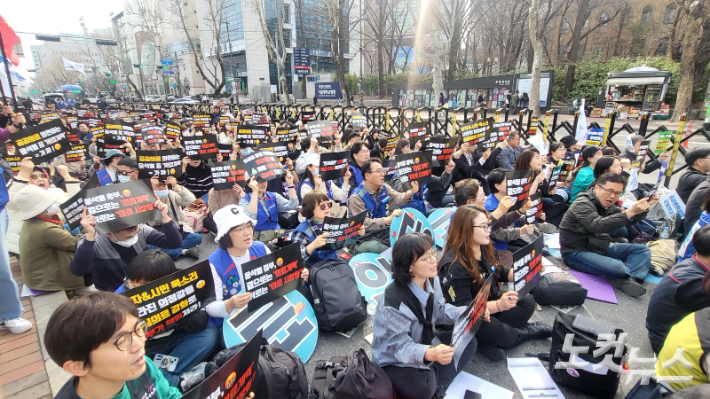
{"x":342,"y":231}
{"x":152,"y":135}
{"x":264,"y":165}
{"x":42,"y":142}
{"x":518,"y":186}
{"x":251,"y":136}
{"x":442,"y":148}
{"x":418,"y":132}
{"x":333,"y":164}
{"x":536,"y":208}
{"x":469,"y":321}
{"x":527,"y":264}
{"x":273,"y":275}
{"x":226,"y":174}
{"x":204,"y":146}
{"x":415,"y":166}
{"x":123,"y":205}
{"x":163,"y":163}
{"x":77,"y":152}
{"x":473,"y":132}
{"x":172,"y":132}
{"x":201,"y":120}
{"x":323,"y":130}
{"x":498,"y":132}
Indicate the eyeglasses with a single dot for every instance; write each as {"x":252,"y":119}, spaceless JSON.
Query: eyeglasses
{"x":123,"y":173}
{"x":486,"y":226}
{"x":326,"y":205}
{"x":243,"y":228}
{"x":125,"y":340}
{"x":611,"y":192}
{"x":429,"y":257}
{"x":378,"y":171}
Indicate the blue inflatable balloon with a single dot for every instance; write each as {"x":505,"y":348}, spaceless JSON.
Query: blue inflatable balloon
{"x":440,"y":220}
{"x":373,"y":274}
{"x":410,"y":221}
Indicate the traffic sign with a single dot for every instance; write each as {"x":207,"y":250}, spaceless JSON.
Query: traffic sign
{"x":113,"y":81}
{"x":166,"y":61}
{"x":174,"y":84}
{"x":169,"y":73}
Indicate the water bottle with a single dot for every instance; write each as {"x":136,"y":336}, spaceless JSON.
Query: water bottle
{"x":665,"y":233}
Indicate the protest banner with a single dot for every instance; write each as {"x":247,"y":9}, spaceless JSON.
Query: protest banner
{"x":74,"y":136}
{"x":235,"y":378}
{"x":172,"y":132}
{"x":417,"y":131}
{"x":48,"y":117}
{"x":410,"y":221}
{"x":643,"y":150}
{"x":138,"y":125}
{"x":77,"y":152}
{"x":554,"y":177}
{"x":567,"y":165}
{"x":42,"y":142}
{"x":287,"y":134}
{"x":518,"y":186}
{"x":358,"y":121}
{"x":167,"y":302}
{"x":223,"y":120}
{"x":152,"y":135}
{"x":201,"y":120}
{"x":473,"y":132}
{"x":264,"y":165}
{"x":123,"y":205}
{"x":661,"y":175}
{"x":104,"y":143}
{"x":72,"y":122}
{"x":226,"y":174}
{"x":497,"y":133}
{"x":324,"y":131}
{"x":273,"y":275}
{"x":74,"y":206}
{"x":333,"y":164}
{"x":664,"y":140}
{"x":535,"y":210}
{"x":527,"y":264}
{"x":204,"y":146}
{"x":162,"y":163}
{"x":672,"y":204}
{"x":342,"y":231}
{"x":279,"y":149}
{"x":469,"y":321}
{"x":120,"y":130}
{"x":254,"y":118}
{"x":14,"y":162}
{"x":595,"y":136}
{"x":388,"y":166}
{"x":442,"y":148}
{"x":251,"y":136}
{"x":392,"y":142}
{"x":415,"y":166}
{"x":225,"y":150}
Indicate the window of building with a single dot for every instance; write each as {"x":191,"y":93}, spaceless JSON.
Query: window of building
{"x":647,"y":14}
{"x":662,"y":48}
{"x":287,"y":14}
{"x":625,"y":17}
{"x":566,"y":27}
{"x":669,"y":17}
{"x":563,"y":49}
{"x":604,"y":18}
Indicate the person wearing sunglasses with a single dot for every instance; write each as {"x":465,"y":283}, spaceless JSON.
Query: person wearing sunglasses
{"x":585,"y":235}
{"x":99,"y":340}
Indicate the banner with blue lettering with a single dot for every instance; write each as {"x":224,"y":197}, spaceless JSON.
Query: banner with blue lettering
{"x":328,"y":91}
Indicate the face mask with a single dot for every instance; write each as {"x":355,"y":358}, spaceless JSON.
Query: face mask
{"x":316,"y":171}
{"x":124,"y":179}
{"x":161,"y":193}
{"x":53,"y":209}
{"x":126,"y":243}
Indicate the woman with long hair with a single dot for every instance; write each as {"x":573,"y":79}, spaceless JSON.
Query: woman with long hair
{"x":226,"y":134}
{"x":469,"y":259}
{"x":585,"y":176}
{"x":554,"y":206}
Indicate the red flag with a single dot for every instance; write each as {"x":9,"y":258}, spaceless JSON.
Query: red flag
{"x":9,"y":39}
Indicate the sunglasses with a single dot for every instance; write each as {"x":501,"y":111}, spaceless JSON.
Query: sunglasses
{"x":326,"y":205}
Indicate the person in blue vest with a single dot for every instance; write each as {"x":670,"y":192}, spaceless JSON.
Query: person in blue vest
{"x":309,"y":234}
{"x":264,"y":207}
{"x":360,"y":152}
{"x":235,"y":235}
{"x":373,"y":196}
{"x":312,"y":181}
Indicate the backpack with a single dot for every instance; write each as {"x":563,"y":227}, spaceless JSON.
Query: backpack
{"x":280,"y":374}
{"x":351,"y":377}
{"x":559,"y":289}
{"x":337,"y":301}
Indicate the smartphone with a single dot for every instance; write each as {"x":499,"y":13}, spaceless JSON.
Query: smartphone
{"x":472,"y":395}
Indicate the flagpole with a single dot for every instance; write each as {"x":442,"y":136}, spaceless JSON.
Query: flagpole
{"x":7,"y":71}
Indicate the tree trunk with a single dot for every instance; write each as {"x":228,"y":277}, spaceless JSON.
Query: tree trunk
{"x":438,"y":84}
{"x":536,"y":46}
{"x":283,"y":81}
{"x":691,"y":42}
{"x":380,"y":69}
{"x":573,"y":55}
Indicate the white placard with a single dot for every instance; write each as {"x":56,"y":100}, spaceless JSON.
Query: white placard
{"x":672,"y":204}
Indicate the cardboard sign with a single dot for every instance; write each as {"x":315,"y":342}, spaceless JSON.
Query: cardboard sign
{"x":440,"y":220}
{"x":264,"y":165}
{"x":167,"y":302}
{"x":42,"y":142}
{"x":235,"y":378}
{"x":123,"y":205}
{"x":201,"y":120}
{"x":595,"y":136}
{"x":373,"y":273}
{"x":324,"y":131}
{"x":442,"y":148}
{"x":287,"y":134}
{"x":14,"y":162}
{"x":172,"y":132}
{"x":392,"y":142}
{"x":410,"y":221}
{"x":417,"y":131}
{"x":468,"y":323}
{"x":473,"y":132}
{"x":251,"y":136}
{"x":76,"y":153}
{"x":163,"y":163}
{"x":279,"y":149}
{"x":536,"y":210}
{"x":358,"y":121}
{"x":497,"y":133}
{"x":120,"y":130}
{"x":333,"y":164}
{"x":342,"y":231}
{"x":226,"y":174}
{"x":204,"y":146}
{"x":415,"y":166}
{"x":273,"y":275}
{"x":518,"y":186}
{"x":152,"y":135}
{"x":527,"y":263}
{"x":664,"y":140}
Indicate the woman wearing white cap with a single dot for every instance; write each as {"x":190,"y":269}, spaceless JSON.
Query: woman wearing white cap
{"x":235,"y":235}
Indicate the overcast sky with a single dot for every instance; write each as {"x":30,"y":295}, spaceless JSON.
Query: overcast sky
{"x":54,"y":17}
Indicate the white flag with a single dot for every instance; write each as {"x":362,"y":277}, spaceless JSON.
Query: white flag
{"x":581,"y":133}
{"x":73,"y":66}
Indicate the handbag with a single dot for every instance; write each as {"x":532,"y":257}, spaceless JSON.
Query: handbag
{"x":195,"y":214}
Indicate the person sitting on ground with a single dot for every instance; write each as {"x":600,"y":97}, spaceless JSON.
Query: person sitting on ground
{"x":102,"y":258}
{"x":685,"y":289}
{"x":687,"y":248}
{"x":359,"y":154}
{"x":694,"y":207}
{"x":235,"y":236}
{"x":46,"y":247}
{"x":99,"y":340}
{"x":631,"y":154}
{"x":508,"y":155}
{"x":371,"y":196}
{"x":312,"y":181}
{"x":416,"y":357}
{"x":265,"y":206}
{"x":196,"y":176}
{"x":77,"y":169}
{"x":698,"y":161}
{"x":176,"y":197}
{"x":585,"y":235}
{"x":554,"y":157}
{"x":571,"y":145}
{"x":553,"y":205}
{"x":127,"y":170}
{"x":585,"y":176}
{"x":308,"y":146}
{"x":189,"y":348}
{"x":469,"y":163}
{"x":352,"y":137}
{"x":439,"y":193}
{"x":469,"y":258}
{"x":106,"y":169}
{"x":380,"y":150}
{"x":309,"y":233}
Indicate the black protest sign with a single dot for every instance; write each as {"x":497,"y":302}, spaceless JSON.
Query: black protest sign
{"x":253,"y":118}
{"x":358,"y":121}
{"x":235,"y":378}
{"x":139,"y":124}
{"x":172,"y":132}
{"x":417,"y":131}
{"x":280,"y":149}
{"x":223,"y":120}
{"x":85,"y":113}
{"x":415,"y":166}
{"x":169,"y":301}
{"x":123,"y":205}
{"x":264,"y":165}
{"x":72,"y":122}
{"x":342,"y":231}
{"x":226,"y":174}
{"x":469,"y":321}
{"x":251,"y":136}
{"x":392,"y":142}
{"x":518,"y":186}
{"x":497,"y":133}
{"x":164,"y":163}
{"x":442,"y":148}
{"x":323,"y":130}
{"x":554,"y":178}
{"x":48,"y":117}
{"x":76,"y":153}
{"x":88,"y":121}
{"x":14,"y":162}
{"x":97,"y":131}
{"x":308,"y":116}
{"x":567,"y":165}
{"x":473,"y":132}
{"x":153,"y":135}
{"x":73,"y":208}
{"x":225,"y":150}
{"x":104,"y":143}
{"x":287,"y":134}
{"x":204,"y":146}
{"x":74,"y":136}
{"x":390,"y":168}
{"x":643,"y":150}
{"x":527,"y":264}
{"x":201,"y":120}
{"x":120,"y":130}
{"x":535,"y":210}
{"x":333,"y":164}
{"x":273,"y":275}
{"x":42,"y":142}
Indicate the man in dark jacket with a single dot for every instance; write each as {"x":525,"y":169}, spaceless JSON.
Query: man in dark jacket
{"x":508,"y":155}
{"x":694,"y":206}
{"x":698,"y":162}
{"x":586,"y":241}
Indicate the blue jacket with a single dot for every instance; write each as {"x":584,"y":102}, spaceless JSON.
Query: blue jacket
{"x":687,"y":249}
{"x":317,"y":255}
{"x":266,"y":221}
{"x":104,"y":177}
{"x":375,"y":208}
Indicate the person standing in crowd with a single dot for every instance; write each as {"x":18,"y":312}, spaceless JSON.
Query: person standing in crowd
{"x":264,"y":207}
{"x":196,"y":176}
{"x":373,"y":196}
{"x":524,"y":101}
{"x":698,"y":161}
{"x":416,"y":358}
{"x":585,"y":236}
{"x":590,"y":155}
{"x":515,"y":103}
{"x":176,"y":197}
{"x":508,"y":155}
{"x":469,"y":258}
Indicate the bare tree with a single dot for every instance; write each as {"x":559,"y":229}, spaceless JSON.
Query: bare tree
{"x":694,"y":57}
{"x":340,"y":25}
{"x":377,"y":17}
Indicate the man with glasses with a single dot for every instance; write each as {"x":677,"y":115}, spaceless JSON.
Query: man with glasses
{"x":99,"y":339}
{"x":373,"y":196}
{"x":585,"y":235}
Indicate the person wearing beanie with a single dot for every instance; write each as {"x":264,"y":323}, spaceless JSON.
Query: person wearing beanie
{"x":570,"y":144}
{"x":698,"y":162}
{"x":46,"y":248}
{"x":585,"y":176}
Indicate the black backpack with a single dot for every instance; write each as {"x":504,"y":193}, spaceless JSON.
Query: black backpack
{"x":350,"y":377}
{"x":280,"y":374}
{"x":559,"y":289}
{"x":337,"y":301}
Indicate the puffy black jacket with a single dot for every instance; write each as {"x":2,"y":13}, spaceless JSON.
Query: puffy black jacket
{"x":689,"y":182}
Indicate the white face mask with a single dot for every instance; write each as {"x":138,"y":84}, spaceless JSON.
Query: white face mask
{"x":161,"y":193}
{"x":124,"y":179}
{"x":53,"y":209}
{"x":126,"y":243}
